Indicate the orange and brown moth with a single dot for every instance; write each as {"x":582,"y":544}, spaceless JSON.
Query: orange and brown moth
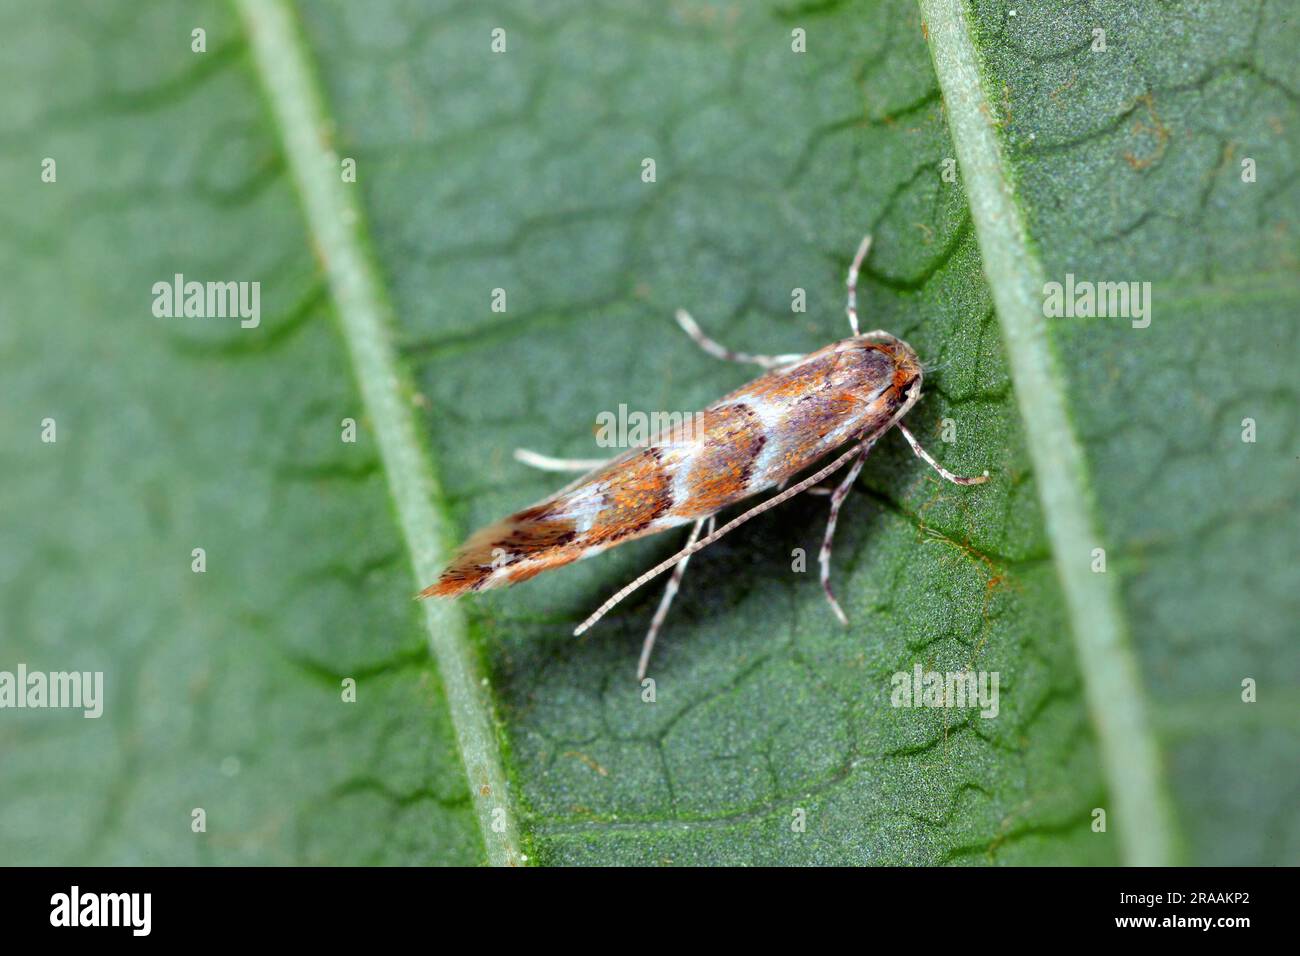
{"x":761,"y":436}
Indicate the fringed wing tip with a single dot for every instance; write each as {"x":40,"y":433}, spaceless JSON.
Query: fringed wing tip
{"x":456,"y":580}
{"x":511,"y":550}
{"x":439,"y":588}
{"x":472,"y":566}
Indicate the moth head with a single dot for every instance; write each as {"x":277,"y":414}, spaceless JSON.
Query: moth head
{"x":903,"y":374}
{"x":883,"y":368}
{"x":907,"y":376}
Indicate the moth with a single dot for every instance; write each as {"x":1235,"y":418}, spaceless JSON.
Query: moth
{"x":847,"y":394}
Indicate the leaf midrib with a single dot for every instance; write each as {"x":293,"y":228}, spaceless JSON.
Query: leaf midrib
{"x":1113,"y":689}
{"x":339,"y":234}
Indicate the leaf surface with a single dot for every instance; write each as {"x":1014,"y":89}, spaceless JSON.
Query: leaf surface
{"x":771,"y":737}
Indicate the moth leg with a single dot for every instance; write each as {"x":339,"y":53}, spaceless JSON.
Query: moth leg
{"x":670,"y":592}
{"x":944,"y":472}
{"x":717,"y":350}
{"x":824,"y":557}
{"x":546,"y":463}
{"x":852,"y":283}
{"x":713,"y":536}
{"x":852,"y":308}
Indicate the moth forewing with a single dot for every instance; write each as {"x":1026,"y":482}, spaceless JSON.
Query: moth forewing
{"x":760,"y":436}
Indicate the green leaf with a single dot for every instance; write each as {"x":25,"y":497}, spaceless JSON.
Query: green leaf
{"x":522,"y":171}
{"x":222,"y":689}
{"x":1118,"y":155}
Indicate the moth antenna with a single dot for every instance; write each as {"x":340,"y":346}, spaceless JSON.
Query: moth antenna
{"x":731,"y":525}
